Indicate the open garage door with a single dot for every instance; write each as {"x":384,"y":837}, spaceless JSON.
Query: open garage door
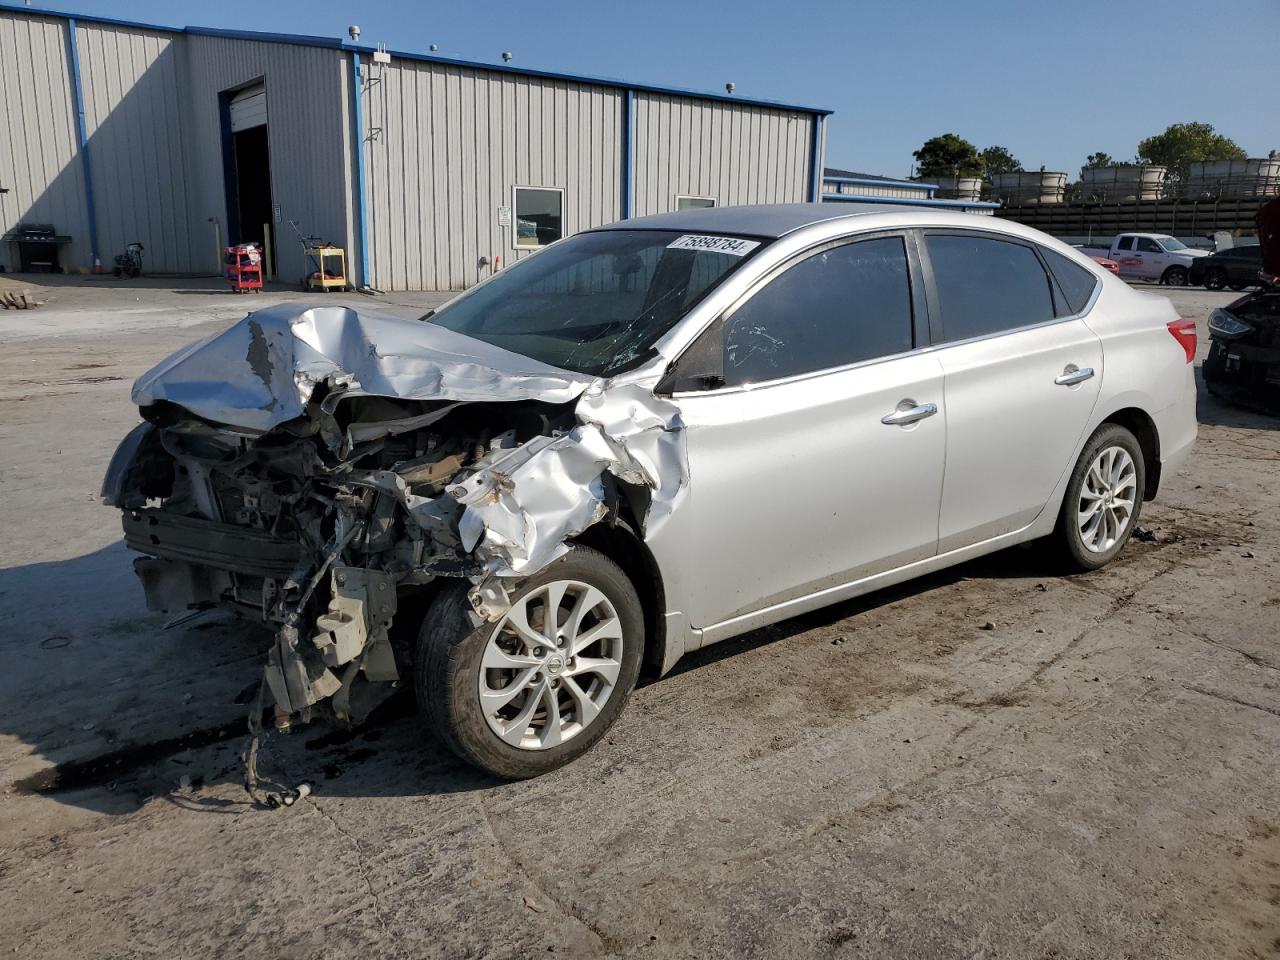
{"x":250,"y":177}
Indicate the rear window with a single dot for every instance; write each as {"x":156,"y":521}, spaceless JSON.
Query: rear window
{"x":1075,"y":282}
{"x":987,"y":286}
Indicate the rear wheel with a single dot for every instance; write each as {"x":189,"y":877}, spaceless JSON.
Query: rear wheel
{"x":523,"y":696}
{"x":1215,"y":279}
{"x":1175,"y":277}
{"x":1103,"y":499}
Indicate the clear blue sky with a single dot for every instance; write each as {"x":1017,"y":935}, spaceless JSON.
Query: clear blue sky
{"x":1051,"y":81}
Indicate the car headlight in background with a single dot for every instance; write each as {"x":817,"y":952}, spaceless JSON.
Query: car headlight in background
{"x":1226,"y":326}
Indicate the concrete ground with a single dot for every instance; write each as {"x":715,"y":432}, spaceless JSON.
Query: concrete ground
{"x":990,"y":762}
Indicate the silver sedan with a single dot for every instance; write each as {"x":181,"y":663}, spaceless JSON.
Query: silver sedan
{"x":644,"y":439}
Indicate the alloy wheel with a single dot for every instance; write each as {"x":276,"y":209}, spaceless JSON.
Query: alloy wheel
{"x":1107,"y":499}
{"x":550,"y":665}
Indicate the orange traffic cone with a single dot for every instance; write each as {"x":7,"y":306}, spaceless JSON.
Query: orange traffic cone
{"x":97,"y":264}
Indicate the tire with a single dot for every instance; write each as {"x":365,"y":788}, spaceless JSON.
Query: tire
{"x":1078,"y":543}
{"x":1175,"y":277}
{"x":456,"y":657}
{"x":1215,"y":279}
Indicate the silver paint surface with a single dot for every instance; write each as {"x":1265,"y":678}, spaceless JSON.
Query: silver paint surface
{"x":261,"y":372}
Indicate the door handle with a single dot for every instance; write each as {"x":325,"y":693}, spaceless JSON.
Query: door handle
{"x":909,"y":412}
{"x":1073,"y":375}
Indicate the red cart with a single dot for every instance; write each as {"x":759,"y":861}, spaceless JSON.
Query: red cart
{"x":243,"y":267}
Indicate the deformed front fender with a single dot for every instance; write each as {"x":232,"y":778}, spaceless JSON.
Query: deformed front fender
{"x":522,"y":505}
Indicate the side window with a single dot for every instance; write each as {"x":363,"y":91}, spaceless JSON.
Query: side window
{"x":1075,"y":282}
{"x":840,"y":306}
{"x":1147,"y":245}
{"x":987,"y":286}
{"x":539,"y":216}
{"x":1126,"y":243}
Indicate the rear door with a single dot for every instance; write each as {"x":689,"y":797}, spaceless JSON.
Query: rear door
{"x":1021,"y":375}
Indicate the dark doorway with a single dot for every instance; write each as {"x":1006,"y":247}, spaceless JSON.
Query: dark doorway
{"x":252,"y":161}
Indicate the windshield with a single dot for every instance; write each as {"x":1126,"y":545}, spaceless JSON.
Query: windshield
{"x":1171,"y":244}
{"x":597,"y":302}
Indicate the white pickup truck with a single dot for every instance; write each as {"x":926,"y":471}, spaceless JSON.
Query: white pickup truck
{"x":1149,"y":256}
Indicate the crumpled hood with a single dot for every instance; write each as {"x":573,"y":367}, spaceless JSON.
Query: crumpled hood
{"x":261,"y":372}
{"x":1268,"y":221}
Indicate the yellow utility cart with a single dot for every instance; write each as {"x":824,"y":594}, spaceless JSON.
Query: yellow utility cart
{"x":328,"y":268}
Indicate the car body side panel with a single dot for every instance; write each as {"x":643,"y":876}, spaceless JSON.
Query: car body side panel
{"x":1011,"y":429}
{"x":1147,"y":369}
{"x":798,"y":485}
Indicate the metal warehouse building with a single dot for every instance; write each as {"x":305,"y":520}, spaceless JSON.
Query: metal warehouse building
{"x":429,"y":171}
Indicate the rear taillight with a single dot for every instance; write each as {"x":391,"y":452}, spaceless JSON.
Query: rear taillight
{"x":1184,"y":331}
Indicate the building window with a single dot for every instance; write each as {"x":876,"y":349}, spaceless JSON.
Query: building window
{"x":539,"y":216}
{"x":694,"y":203}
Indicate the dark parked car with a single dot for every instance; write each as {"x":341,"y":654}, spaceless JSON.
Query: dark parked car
{"x":1236,"y":268}
{"x":1243,"y":365}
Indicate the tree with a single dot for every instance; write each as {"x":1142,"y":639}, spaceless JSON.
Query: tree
{"x":999,"y":160}
{"x":1096,"y":161}
{"x":948,"y":155}
{"x":1183,"y":144}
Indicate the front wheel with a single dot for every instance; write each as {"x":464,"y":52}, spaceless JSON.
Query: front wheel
{"x":528,"y":694}
{"x":1215,"y":280}
{"x":1175,"y":277}
{"x":1103,"y":499}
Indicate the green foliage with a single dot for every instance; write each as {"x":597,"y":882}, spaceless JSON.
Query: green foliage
{"x":999,"y":160}
{"x":1186,"y":143}
{"x":948,"y":155}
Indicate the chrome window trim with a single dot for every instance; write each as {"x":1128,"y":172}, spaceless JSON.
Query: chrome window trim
{"x":796,"y":378}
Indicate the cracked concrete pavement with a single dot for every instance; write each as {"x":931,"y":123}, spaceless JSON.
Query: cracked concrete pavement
{"x":1093,"y":776}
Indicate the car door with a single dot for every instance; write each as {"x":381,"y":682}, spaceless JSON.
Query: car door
{"x":1152,"y":258}
{"x":1021,"y":373}
{"x":815,"y":451}
{"x":1123,"y":254}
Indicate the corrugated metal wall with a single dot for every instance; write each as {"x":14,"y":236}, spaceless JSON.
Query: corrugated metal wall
{"x":734,"y":153}
{"x":306,"y":133}
{"x":39,"y":160}
{"x":134,"y":116}
{"x":446,"y":147}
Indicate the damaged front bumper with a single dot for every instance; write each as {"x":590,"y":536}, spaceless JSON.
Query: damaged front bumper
{"x":311,"y":467}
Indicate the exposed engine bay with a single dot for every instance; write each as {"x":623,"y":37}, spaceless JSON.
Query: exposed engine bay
{"x":287,"y":490}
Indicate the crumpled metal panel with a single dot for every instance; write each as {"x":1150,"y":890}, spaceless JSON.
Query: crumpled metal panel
{"x":523,"y":504}
{"x":261,"y":372}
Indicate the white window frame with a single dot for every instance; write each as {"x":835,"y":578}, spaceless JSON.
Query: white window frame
{"x":715,"y":202}
{"x":515,"y":215}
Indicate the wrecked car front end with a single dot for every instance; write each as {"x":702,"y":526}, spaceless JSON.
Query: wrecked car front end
{"x":310,"y":466}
